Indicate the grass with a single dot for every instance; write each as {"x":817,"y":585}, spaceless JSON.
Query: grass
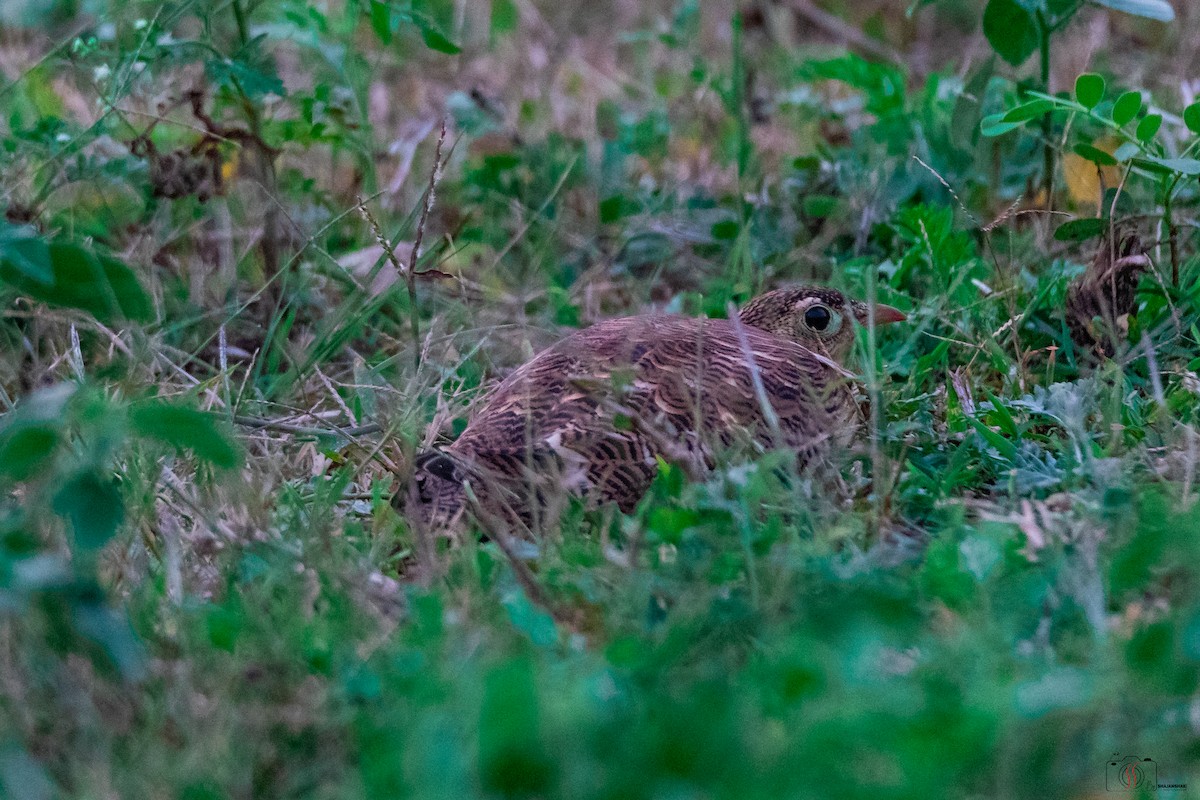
{"x":202,"y":584}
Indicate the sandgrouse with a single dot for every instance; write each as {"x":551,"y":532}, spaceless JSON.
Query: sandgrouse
{"x":592,"y":415}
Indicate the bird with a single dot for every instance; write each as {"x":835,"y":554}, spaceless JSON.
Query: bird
{"x":1101,"y":299}
{"x":592,"y":415}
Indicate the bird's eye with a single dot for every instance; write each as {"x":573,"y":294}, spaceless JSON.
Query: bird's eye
{"x":818,"y":318}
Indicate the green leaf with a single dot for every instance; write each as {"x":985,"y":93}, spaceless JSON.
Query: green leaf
{"x":1079,"y":230}
{"x":1126,"y":151}
{"x":77,"y":278}
{"x":996,"y":440}
{"x":93,"y":505}
{"x":1027,"y":111}
{"x":513,"y":760}
{"x":1160,"y":10}
{"x":253,"y":79}
{"x":27,"y":254}
{"x":1184,"y":166}
{"x":1011,"y":30}
{"x":1191,"y":117}
{"x":618,"y":206}
{"x":1127,"y":107}
{"x":1002,"y":416}
{"x":1089,"y":90}
{"x":726,"y":229}
{"x":26,"y":448}
{"x":31,"y":433}
{"x":821,"y":205}
{"x":994,"y":125}
{"x":530,"y":619}
{"x":1148,"y":127}
{"x":434,"y":39}
{"x":1095,"y":155}
{"x":505,"y":17}
{"x":968,"y":108}
{"x":381,"y":20}
{"x":186,"y":429}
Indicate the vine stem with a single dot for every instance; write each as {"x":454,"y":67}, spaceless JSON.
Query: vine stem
{"x":1047,"y":121}
{"x":1172,"y":230}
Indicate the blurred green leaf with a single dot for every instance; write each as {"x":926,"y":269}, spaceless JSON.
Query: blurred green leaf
{"x":968,"y":106}
{"x":186,"y":429}
{"x":1126,"y":151}
{"x":531,"y":620}
{"x":381,"y":20}
{"x":26,"y":448}
{"x":505,"y":17}
{"x":433,"y":37}
{"x":1184,"y":166}
{"x":31,"y":433}
{"x":995,"y":125}
{"x":1006,"y":449}
{"x":255,"y":77}
{"x":94,"y":507}
{"x":1080,"y":230}
{"x":1160,"y":10}
{"x":1095,"y":155}
{"x":513,"y":761}
{"x":820,"y":206}
{"x":725,"y":230}
{"x":26,"y":253}
{"x":1011,"y":30}
{"x":66,"y":274}
{"x":618,"y":206}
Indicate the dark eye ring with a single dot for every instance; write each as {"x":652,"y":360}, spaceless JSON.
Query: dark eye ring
{"x":818,"y":318}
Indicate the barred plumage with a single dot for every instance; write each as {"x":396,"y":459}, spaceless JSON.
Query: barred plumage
{"x":592,"y":414}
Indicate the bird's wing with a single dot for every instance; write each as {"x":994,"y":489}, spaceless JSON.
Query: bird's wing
{"x":597,"y":409}
{"x":553,"y":425}
{"x":722,"y":382}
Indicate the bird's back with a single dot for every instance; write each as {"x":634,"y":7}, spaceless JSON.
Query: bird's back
{"x":593,"y":413}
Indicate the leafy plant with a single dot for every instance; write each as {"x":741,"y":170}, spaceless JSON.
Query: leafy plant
{"x":1017,"y":28}
{"x":218,"y":364}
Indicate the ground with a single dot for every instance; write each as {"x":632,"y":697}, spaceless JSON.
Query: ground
{"x":220,"y":360}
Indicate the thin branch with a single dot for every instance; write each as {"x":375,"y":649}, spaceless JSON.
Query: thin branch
{"x":259,"y":423}
{"x":838,"y":28}
{"x":410,"y":276}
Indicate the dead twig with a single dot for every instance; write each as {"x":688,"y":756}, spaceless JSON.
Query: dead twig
{"x":258,"y":423}
{"x":410,"y":272}
{"x":838,"y":28}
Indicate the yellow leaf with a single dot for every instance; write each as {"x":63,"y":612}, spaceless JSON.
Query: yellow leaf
{"x":1083,"y":177}
{"x":229,"y":167}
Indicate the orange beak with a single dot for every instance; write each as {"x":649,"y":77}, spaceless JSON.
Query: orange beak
{"x":886,"y":315}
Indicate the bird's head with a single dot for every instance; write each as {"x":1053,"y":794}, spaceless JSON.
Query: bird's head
{"x":816,"y":317}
